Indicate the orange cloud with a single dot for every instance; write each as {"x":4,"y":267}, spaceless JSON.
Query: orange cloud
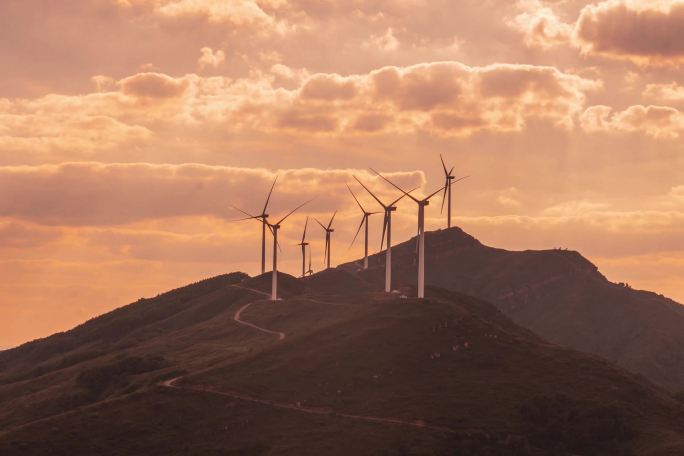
{"x":672,"y":92}
{"x":153,"y":85}
{"x":443,"y":98}
{"x":656,"y":121}
{"x":540,"y":25}
{"x":210,"y":58}
{"x":644,"y":31}
{"x":115,"y":194}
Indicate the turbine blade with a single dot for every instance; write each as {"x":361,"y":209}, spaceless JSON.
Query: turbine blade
{"x":433,"y":194}
{"x":371,"y":193}
{"x":355,"y":199}
{"x":317,"y":221}
{"x":451,"y":170}
{"x":305,"y":224}
{"x":402,"y":196}
{"x":244,"y":212}
{"x":243,"y":219}
{"x":394,"y":185}
{"x":446,"y":187}
{"x":384,"y":229}
{"x":460,"y":179}
{"x":293,"y":211}
{"x":363,"y":219}
{"x":269,"y":195}
{"x":331,"y":220}
{"x":443,"y":165}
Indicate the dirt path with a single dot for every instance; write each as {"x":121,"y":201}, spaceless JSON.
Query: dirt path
{"x":281,"y":335}
{"x":171,"y":383}
{"x":305,"y":409}
{"x":253,"y":290}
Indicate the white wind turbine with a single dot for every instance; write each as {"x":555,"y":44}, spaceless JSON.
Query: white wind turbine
{"x":364,"y":221}
{"x":274,"y":229}
{"x":386,"y":229}
{"x":303,"y":245}
{"x":450,"y":180}
{"x":263,"y":217}
{"x":421,"y":231}
{"x":328,"y":231}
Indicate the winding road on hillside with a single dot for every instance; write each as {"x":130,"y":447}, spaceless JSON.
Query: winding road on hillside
{"x":172,"y":383}
{"x":281,"y":335}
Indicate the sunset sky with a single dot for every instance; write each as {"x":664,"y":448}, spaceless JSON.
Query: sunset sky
{"x":128,"y":127}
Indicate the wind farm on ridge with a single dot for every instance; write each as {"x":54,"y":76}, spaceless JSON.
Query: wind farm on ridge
{"x":388,"y":209}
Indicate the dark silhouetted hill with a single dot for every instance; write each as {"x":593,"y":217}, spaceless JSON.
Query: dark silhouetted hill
{"x":358,"y":372}
{"x":558,"y":294}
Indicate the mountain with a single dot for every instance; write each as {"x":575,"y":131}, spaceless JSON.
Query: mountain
{"x":558,"y":294}
{"x":332,"y":369}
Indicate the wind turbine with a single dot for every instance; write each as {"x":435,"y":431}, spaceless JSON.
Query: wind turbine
{"x":303,"y":244}
{"x":274,"y":229}
{"x":364,"y":220}
{"x":263,"y":217}
{"x":328,"y":232}
{"x":421,"y":231}
{"x":386,"y":229}
{"x":447,"y":189}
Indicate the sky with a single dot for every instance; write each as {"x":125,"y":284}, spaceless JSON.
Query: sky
{"x":128,"y":128}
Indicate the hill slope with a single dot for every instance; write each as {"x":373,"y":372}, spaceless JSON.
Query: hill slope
{"x":558,"y":294}
{"x":215,"y":368}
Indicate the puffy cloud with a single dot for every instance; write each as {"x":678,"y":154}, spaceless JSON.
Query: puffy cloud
{"x":443,"y":98}
{"x":672,"y":92}
{"x":210,"y":58}
{"x":234,"y":12}
{"x":656,"y":121}
{"x":329,"y":87}
{"x":152,"y":85}
{"x":644,"y":31}
{"x":540,"y":25}
{"x":383,"y":42}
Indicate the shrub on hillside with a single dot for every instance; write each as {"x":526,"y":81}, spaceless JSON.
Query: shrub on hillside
{"x":562,"y":425}
{"x":117,"y":374}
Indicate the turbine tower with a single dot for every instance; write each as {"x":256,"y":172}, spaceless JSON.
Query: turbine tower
{"x":303,"y":245}
{"x":421,"y":231}
{"x":310,"y":271}
{"x":386,"y":229}
{"x":274,"y":229}
{"x":364,"y":221}
{"x":447,"y":189}
{"x":263,"y":217}
{"x":328,"y":231}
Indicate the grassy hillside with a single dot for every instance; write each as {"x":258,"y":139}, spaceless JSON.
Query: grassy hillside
{"x":558,"y":294}
{"x":357,"y":373}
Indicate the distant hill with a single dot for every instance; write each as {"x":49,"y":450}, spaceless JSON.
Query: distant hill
{"x":558,"y":294}
{"x":333,"y":369}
